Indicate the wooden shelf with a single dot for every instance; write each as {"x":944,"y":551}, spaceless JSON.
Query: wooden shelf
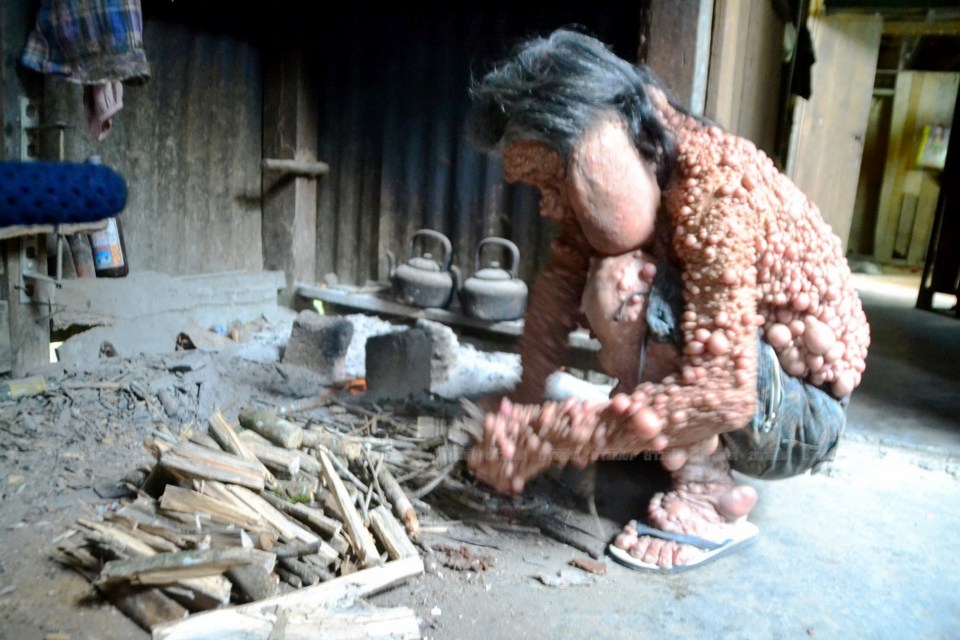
{"x":377,"y":299}
{"x":18,"y":231}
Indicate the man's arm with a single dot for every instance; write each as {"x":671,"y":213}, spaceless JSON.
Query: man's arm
{"x":553,"y":312}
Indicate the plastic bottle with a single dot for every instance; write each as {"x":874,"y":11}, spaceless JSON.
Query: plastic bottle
{"x":109,"y":251}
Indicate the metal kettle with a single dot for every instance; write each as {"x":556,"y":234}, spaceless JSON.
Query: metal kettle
{"x":423,"y":281}
{"x":494,"y":293}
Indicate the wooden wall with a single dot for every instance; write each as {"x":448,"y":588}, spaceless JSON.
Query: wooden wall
{"x":909,"y":194}
{"x":830,"y":127}
{"x":188,"y":143}
{"x":745,"y":70}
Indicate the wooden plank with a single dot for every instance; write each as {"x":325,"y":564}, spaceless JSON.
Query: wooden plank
{"x":381,"y":301}
{"x":299,"y":168}
{"x":264,"y":614}
{"x":391,"y":534}
{"x":194,"y":461}
{"x":360,"y":538}
{"x":16,"y":231}
{"x":226,"y":436}
{"x":761,"y":70}
{"x":185,"y":501}
{"x":830,"y":127}
{"x":726,"y":50}
{"x":177,"y":566}
{"x":285,"y":462}
{"x":926,"y":211}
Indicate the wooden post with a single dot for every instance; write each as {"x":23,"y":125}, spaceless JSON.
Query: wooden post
{"x":746,"y":53}
{"x":29,"y":321}
{"x":831,"y":126}
{"x":678,"y":48}
{"x":290,"y":107}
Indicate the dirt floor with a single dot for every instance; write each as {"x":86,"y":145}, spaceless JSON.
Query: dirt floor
{"x":862,"y":549}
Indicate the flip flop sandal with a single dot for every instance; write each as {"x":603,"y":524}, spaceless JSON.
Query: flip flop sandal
{"x":744,"y":534}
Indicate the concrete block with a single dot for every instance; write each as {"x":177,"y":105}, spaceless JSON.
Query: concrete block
{"x":398,"y":364}
{"x":319,"y":343}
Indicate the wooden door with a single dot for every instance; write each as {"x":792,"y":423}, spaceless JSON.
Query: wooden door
{"x":909,"y":194}
{"x":830,"y":127}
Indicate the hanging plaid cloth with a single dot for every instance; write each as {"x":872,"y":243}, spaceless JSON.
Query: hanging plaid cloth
{"x":88,"y":41}
{"x":96,"y":43}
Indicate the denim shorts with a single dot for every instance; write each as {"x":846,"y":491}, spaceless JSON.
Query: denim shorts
{"x":797,"y":425}
{"x":796,"y":428}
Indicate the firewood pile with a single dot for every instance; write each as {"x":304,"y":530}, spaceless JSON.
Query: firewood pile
{"x":270,"y":526}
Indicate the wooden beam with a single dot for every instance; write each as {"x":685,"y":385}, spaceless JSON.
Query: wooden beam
{"x":29,"y":317}
{"x":290,"y":131}
{"x":298,"y":168}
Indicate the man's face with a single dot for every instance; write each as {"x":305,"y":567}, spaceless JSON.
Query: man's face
{"x":611,"y":192}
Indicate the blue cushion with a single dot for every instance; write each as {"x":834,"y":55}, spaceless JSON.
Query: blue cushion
{"x":59,"y":192}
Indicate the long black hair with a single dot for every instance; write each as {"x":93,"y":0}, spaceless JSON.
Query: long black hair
{"x":550,"y":90}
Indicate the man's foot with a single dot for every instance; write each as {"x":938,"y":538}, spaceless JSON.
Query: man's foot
{"x":704,"y":502}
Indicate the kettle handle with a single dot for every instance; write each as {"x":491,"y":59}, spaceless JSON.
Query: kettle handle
{"x":439,"y":237}
{"x":506,"y":244}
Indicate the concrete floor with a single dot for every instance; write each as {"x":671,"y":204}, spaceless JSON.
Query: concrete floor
{"x":865,"y":549}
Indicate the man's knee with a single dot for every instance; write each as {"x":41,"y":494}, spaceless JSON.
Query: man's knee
{"x":797,"y":435}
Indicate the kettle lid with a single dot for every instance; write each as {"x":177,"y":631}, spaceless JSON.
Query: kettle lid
{"x":424,"y":262}
{"x":493,"y":272}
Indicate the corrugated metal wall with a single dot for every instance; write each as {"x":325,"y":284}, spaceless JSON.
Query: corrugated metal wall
{"x":394,"y":97}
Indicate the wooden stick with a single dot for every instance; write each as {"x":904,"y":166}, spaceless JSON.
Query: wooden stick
{"x":434,"y":483}
{"x":401,"y":504}
{"x":360,"y":538}
{"x":194,"y":461}
{"x":257,"y":619}
{"x":273,"y":428}
{"x":307,"y":515}
{"x":254,"y":582}
{"x":305,"y":404}
{"x":178,"y":499}
{"x":227,"y":437}
{"x":391,"y":534}
{"x":308,"y":577}
{"x":166,"y":568}
{"x":288,"y":529}
{"x":146,"y":607}
{"x":289,"y":577}
{"x":344,"y":471}
{"x":208,"y":592}
{"x":344,"y":447}
{"x":284,"y":461}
